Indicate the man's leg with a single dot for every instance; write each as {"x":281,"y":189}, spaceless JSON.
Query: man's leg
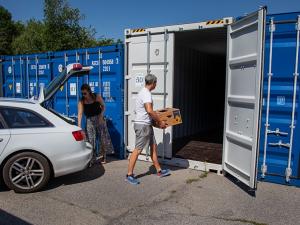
{"x":132,"y":161}
{"x":154,"y":157}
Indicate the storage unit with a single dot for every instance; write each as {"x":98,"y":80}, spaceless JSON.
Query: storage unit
{"x":38,"y":73}
{"x":24,"y":74}
{"x":1,"y":77}
{"x":213,"y":72}
{"x":67,"y":97}
{"x":279,"y":157}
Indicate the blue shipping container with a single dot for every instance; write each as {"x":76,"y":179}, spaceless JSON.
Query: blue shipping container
{"x":106,"y":78}
{"x":23,"y":74}
{"x":275,"y":163}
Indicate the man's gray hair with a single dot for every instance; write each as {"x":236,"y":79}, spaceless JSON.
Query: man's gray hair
{"x":150,"y":79}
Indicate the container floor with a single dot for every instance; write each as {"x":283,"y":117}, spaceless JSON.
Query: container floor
{"x":204,"y":147}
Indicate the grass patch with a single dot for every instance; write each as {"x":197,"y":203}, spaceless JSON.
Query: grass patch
{"x":203,"y":175}
{"x":196,"y":179}
{"x":192,"y":180}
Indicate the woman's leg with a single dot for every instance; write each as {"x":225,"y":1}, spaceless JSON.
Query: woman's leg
{"x":106,"y":144}
{"x":102,"y":146}
{"x":91,"y":134}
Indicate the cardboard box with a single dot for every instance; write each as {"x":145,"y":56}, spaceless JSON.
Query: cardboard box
{"x":170,"y":116}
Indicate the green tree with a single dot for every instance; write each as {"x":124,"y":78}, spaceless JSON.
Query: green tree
{"x":62,"y":27}
{"x":32,"y":38}
{"x":60,"y":30}
{"x":8,"y":31}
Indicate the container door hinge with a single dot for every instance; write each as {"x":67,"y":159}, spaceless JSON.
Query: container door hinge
{"x":128,"y":77}
{"x":127,"y":113}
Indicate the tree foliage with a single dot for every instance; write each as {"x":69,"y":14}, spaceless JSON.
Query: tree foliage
{"x":8,"y":31}
{"x":31,"y":39}
{"x":59,"y":30}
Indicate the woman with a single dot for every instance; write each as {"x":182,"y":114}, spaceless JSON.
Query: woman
{"x":93,"y":107}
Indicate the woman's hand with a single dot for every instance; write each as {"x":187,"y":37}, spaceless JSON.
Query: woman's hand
{"x":101,"y":119}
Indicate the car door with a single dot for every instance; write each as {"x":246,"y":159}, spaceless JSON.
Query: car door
{"x":4,"y":135}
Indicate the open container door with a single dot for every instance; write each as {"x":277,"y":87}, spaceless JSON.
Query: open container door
{"x":243,"y":97}
{"x":149,"y":53}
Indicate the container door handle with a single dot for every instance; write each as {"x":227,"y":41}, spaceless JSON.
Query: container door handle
{"x":280,"y":144}
{"x":277,"y":132}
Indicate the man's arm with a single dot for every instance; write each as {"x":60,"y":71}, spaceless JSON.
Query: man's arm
{"x":154,"y":116}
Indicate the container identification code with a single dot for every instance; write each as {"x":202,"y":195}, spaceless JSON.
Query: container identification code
{"x":280,"y":100}
{"x":73,"y":90}
{"x":139,"y":80}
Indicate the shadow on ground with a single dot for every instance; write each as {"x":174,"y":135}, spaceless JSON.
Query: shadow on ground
{"x":89,"y":174}
{"x":152,"y":170}
{"x":92,"y":173}
{"x":241,"y":185}
{"x":9,"y":219}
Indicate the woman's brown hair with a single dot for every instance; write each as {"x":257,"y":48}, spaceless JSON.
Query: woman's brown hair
{"x":86,"y":87}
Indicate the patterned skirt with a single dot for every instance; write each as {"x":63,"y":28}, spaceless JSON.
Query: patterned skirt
{"x":97,"y":131}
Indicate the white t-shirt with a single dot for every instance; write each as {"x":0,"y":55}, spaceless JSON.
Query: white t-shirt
{"x":141,"y":115}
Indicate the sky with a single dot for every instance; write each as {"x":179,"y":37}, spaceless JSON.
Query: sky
{"x":111,"y":17}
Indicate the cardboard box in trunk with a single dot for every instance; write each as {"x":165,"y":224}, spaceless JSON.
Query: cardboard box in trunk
{"x":170,"y":116}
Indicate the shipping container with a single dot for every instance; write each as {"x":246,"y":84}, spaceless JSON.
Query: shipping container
{"x":23,"y":75}
{"x":216,"y":73}
{"x":279,"y":146}
{"x":1,"y":77}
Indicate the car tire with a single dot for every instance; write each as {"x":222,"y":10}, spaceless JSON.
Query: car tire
{"x":26,"y":172}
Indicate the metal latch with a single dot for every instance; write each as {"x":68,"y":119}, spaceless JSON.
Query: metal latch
{"x":277,"y":132}
{"x":288,"y":174}
{"x":272,"y":26}
{"x":280,"y":144}
{"x":298,"y":24}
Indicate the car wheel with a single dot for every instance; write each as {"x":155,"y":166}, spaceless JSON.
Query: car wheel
{"x":26,"y":172}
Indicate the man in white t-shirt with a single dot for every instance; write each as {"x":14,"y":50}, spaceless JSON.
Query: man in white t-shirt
{"x":144,"y":135}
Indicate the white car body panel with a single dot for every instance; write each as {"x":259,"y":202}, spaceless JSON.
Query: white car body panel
{"x":56,"y":143}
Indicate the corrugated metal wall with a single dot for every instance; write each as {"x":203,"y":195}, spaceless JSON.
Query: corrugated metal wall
{"x":1,"y":80}
{"x":199,"y":87}
{"x":281,"y":102}
{"x":23,"y":74}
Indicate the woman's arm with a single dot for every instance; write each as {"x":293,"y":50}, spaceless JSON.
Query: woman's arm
{"x":101,"y":101}
{"x":80,"y":111}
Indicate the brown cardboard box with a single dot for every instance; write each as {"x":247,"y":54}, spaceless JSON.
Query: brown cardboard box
{"x":170,"y":116}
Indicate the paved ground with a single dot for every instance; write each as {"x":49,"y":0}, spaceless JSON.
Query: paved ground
{"x":101,"y":196}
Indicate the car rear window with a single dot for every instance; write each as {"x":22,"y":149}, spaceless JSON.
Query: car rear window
{"x":22,"y":118}
{"x":69,"y":121}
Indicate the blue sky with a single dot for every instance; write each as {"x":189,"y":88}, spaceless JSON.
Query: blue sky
{"x":110,"y":18}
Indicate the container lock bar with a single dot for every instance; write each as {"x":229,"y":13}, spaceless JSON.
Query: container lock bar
{"x":296,"y":74}
{"x":270,"y":74}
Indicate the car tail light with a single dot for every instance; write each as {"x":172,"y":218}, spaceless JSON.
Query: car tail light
{"x":78,"y":135}
{"x":77,"y":66}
